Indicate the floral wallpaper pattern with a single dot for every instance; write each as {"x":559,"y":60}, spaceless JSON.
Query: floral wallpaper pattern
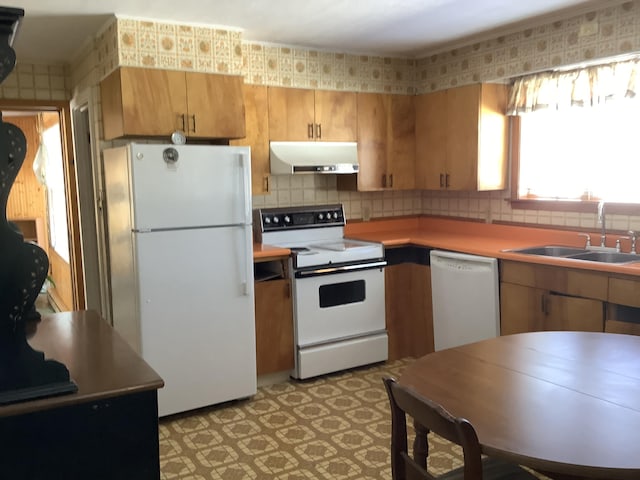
{"x":178,"y":47}
{"x":603,"y":33}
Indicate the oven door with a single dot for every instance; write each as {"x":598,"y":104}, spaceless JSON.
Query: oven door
{"x":338,"y":302}
{"x":339,"y":319}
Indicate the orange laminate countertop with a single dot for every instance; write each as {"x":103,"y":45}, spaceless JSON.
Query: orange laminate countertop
{"x":262,"y":253}
{"x":489,"y":240}
{"x":470,"y":237}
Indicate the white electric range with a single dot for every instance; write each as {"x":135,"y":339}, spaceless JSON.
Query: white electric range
{"x":337,"y":288}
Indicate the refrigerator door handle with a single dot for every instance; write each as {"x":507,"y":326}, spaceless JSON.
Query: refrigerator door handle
{"x":245,"y":165}
{"x":247,"y":284}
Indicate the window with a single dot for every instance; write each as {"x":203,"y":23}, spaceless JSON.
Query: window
{"x":576,"y":138}
{"x":581,"y":154}
{"x":56,"y":202}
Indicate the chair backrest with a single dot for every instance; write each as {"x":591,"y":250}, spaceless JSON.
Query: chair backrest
{"x":433,"y":417}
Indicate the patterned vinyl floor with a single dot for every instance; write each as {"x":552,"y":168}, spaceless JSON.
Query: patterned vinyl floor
{"x":335,"y":427}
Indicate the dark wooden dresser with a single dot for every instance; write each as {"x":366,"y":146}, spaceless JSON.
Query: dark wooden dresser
{"x":107,"y":430}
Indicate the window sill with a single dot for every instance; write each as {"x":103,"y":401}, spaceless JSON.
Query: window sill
{"x":580,"y":206}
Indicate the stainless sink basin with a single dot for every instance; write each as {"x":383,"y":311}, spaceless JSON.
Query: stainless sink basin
{"x":551,"y":251}
{"x":576,"y":253}
{"x":607,"y":257}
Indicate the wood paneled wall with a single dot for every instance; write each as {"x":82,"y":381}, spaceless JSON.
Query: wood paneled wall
{"x":28,"y":198}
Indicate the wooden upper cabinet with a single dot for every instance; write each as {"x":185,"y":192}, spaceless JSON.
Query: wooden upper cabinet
{"x":461,"y":138}
{"x":297,"y":114}
{"x":335,"y":116}
{"x":386,"y":143}
{"x":372,"y":142}
{"x":257,"y":135}
{"x":215,"y":105}
{"x":144,"y":102}
{"x":401,"y":153}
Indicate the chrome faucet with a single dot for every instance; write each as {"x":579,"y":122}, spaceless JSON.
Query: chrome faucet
{"x":601,"y":220}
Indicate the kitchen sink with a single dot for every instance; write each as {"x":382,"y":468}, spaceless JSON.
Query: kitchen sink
{"x":576,"y":253}
{"x":607,"y":257}
{"x":551,"y":251}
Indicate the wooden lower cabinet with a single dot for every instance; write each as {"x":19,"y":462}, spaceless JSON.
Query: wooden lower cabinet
{"x":274,"y":326}
{"x":409,"y":317}
{"x":526,"y":309}
{"x":539,"y":297}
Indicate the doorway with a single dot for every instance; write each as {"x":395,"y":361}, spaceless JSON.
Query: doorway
{"x":43,"y":201}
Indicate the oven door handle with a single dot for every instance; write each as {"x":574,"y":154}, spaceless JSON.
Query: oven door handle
{"x":339,"y":269}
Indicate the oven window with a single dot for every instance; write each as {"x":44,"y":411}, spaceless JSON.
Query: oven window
{"x":341,"y":293}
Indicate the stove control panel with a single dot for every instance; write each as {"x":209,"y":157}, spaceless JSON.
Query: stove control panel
{"x":289,"y":218}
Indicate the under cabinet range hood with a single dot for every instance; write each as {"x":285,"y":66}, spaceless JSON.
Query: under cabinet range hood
{"x":313,"y":157}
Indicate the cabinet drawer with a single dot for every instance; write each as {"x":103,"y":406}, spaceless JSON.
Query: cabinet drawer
{"x":624,"y":291}
{"x":580,"y":283}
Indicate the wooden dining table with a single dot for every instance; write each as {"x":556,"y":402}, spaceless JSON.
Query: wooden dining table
{"x":567,"y":403}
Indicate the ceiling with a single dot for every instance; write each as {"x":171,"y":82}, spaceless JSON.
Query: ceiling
{"x":53,"y":31}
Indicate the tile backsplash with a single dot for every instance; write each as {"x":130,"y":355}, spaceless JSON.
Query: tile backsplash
{"x":540,"y":46}
{"x":313,"y":189}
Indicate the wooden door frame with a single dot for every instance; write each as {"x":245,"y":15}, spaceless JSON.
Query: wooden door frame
{"x":71,"y":194}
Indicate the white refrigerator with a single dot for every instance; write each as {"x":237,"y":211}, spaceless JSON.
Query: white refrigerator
{"x":181,"y":267}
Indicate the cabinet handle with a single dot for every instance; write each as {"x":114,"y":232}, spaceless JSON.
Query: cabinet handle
{"x":266,"y":183}
{"x":544,"y":304}
{"x":441,"y":180}
{"x":318,"y":130}
{"x":193,"y":117}
{"x":384,"y":180}
{"x":310,"y":130}
{"x":181,"y":122}
{"x":446,"y":181}
{"x":391,"y":180}
{"x":287,"y":289}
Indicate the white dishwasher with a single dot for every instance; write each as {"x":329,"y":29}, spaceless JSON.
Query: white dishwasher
{"x":464,"y":290}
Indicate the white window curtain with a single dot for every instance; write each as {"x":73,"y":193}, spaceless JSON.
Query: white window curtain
{"x":583,"y":87}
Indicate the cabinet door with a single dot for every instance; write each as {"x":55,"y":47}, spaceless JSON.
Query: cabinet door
{"x":274,"y":326}
{"x":215,"y":106}
{"x":463,"y":108}
{"x":493,"y":133}
{"x":401,"y":153}
{"x":563,"y":312}
{"x":257,"y":136}
{"x":409,"y":317}
{"x":431,"y":140}
{"x":372,"y":141}
{"x":335,"y":116}
{"x":143,"y":102}
{"x":291,"y":114}
{"x":520,"y":309}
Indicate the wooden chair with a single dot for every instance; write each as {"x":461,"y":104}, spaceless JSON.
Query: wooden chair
{"x":429,"y":416}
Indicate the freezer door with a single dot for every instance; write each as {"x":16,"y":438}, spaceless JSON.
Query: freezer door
{"x":197,"y":315}
{"x":181,"y":186}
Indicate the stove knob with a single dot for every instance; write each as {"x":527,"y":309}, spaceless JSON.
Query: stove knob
{"x":267,"y":220}
{"x":335,"y":215}
{"x":276,"y":220}
{"x":321,"y":216}
{"x":287,"y":220}
{"x":328,"y":215}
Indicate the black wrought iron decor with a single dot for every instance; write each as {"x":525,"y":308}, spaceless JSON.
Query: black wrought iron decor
{"x":24,"y":372}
